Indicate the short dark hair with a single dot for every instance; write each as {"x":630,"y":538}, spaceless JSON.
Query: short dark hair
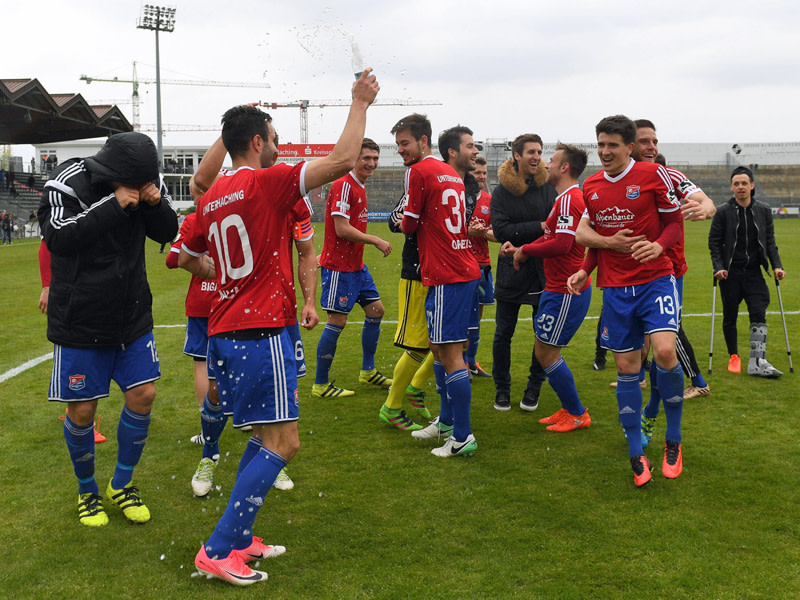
{"x":518,"y":145}
{"x":743,"y":171}
{"x":661,"y":159}
{"x":451,"y":139}
{"x":240,"y":124}
{"x":417,"y":124}
{"x":644,"y":123}
{"x":576,"y":157}
{"x":618,"y":124}
{"x":480,"y":160}
{"x":370,"y":145}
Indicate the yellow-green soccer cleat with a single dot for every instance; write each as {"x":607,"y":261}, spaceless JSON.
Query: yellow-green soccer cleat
{"x":90,"y":510}
{"x":328,"y":390}
{"x":128,"y":500}
{"x":374,"y":377}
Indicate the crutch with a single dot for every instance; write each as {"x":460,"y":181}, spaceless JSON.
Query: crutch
{"x":783,"y":318}
{"x":711,"y":343}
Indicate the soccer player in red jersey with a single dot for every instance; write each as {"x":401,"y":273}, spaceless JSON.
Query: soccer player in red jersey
{"x":560,"y":313}
{"x":632,"y":216}
{"x":244,"y":226}
{"x":481,"y":233}
{"x":696,"y":206}
{"x":436,"y":211}
{"x":345,"y":278}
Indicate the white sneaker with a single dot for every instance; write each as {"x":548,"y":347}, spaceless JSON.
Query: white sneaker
{"x":283,"y":481}
{"x":203,"y":477}
{"x":434,"y":430}
{"x":453,"y":448}
{"x":198,"y":439}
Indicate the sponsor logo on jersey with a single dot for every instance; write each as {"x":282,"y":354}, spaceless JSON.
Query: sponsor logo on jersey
{"x":208,"y":286}
{"x":363,"y":216}
{"x":614,"y":217}
{"x":594,"y":197}
{"x":632,"y":192}
{"x":77,"y":382}
{"x":485,"y":210}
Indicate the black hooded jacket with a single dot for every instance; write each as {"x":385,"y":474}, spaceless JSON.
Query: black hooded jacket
{"x":99,"y":295}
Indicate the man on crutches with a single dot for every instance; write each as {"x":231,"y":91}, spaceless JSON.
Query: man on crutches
{"x":742,"y":241}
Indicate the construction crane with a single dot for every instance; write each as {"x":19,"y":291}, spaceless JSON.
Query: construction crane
{"x":304,"y":105}
{"x":135,"y":80}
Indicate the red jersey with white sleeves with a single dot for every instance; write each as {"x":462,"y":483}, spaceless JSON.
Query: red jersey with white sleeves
{"x":563,"y":219}
{"x":347,"y":198}
{"x":244,"y":225}
{"x":201,"y":291}
{"x":631,"y":200}
{"x":482,"y":214}
{"x":436,"y":210}
{"x":684,"y":188}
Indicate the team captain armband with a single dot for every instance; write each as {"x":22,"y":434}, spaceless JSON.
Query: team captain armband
{"x":302,"y":230}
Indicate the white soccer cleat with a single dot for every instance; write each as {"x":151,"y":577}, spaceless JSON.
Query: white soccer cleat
{"x":203,"y":477}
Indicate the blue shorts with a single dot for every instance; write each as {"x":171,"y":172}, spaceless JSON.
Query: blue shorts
{"x":81,"y":374}
{"x":256,"y":379}
{"x":631,"y":312}
{"x":679,"y":287}
{"x":196,"y":342}
{"x":486,"y":286}
{"x":341,"y":290}
{"x":560,"y":315}
{"x":451,"y":310}
{"x":299,"y":351}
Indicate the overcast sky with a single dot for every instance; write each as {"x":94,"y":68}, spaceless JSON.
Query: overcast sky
{"x":703,"y":71}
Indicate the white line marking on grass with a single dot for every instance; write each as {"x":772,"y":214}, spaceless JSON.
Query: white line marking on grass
{"x":25,"y":366}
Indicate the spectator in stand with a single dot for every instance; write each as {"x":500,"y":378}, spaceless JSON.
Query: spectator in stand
{"x":7,"y":225}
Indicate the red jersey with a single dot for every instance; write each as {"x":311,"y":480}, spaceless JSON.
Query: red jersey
{"x":631,"y":200}
{"x":244,"y":225}
{"x":563,"y":219}
{"x":347,"y":198}
{"x":683,"y":189}
{"x":201,"y":291}
{"x":482,"y":214}
{"x":436,"y":210}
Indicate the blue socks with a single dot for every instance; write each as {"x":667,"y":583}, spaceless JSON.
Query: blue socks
{"x":629,"y":400}
{"x":369,"y":342}
{"x":326,"y":350}
{"x":471,"y":355}
{"x":252,"y":448}
{"x":80,"y":443}
{"x":131,"y":438}
{"x":563,"y":383}
{"x":651,"y":410}
{"x":459,"y":393}
{"x":212,"y":420}
{"x":670,"y":383}
{"x":446,"y":409}
{"x":235,"y":527}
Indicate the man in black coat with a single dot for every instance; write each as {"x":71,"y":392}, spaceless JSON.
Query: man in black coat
{"x":742,"y":242}
{"x":520,"y":205}
{"x":94,"y":216}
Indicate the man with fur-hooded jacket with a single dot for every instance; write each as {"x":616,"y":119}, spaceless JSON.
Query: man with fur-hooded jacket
{"x":520,"y":205}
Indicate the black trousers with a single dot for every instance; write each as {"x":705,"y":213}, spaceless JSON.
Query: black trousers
{"x":749,"y":286}
{"x":506,"y":315}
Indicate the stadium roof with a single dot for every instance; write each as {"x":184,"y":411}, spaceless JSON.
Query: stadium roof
{"x":31,"y":115}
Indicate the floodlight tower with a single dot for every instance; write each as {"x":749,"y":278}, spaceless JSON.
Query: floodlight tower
{"x":158,"y":18}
